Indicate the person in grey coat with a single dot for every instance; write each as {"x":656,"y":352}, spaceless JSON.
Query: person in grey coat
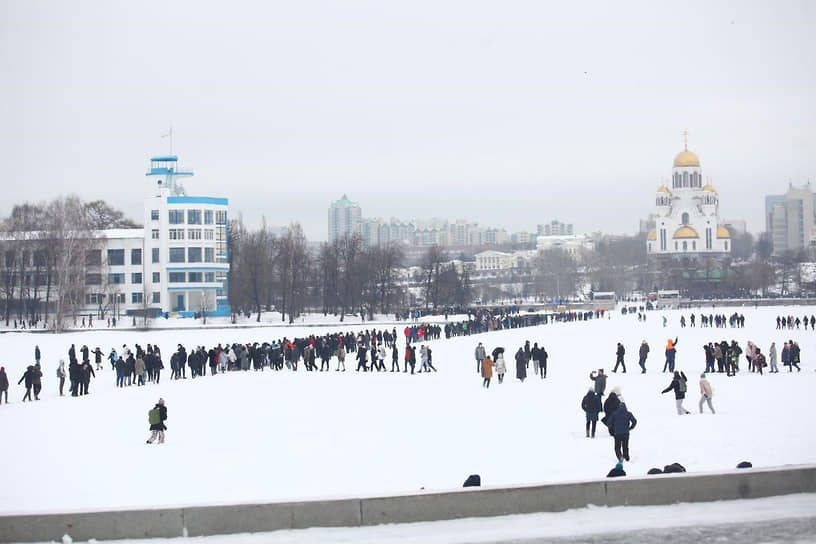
{"x":600,"y":382}
{"x":480,"y":355}
{"x":772,"y":358}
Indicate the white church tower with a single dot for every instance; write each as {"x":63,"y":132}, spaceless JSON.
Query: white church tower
{"x":687,"y":218}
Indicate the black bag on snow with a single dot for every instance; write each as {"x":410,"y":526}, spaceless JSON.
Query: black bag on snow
{"x":474,"y":480}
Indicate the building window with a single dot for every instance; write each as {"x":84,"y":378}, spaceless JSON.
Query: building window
{"x":694,"y":246}
{"x":136,"y":278}
{"x":156,"y":277}
{"x":209,"y":254}
{"x":176,"y":217}
{"x":685,"y":245}
{"x":650,"y":247}
{"x":93,"y":257}
{"x":154,"y":255}
{"x":208,"y":217}
{"x":116,"y":278}
{"x":176,"y":277}
{"x":176,"y":234}
{"x":116,"y":257}
{"x":194,"y":234}
{"x":94,"y":298}
{"x":726,"y":245}
{"x":176,"y":254}
{"x":209,"y":234}
{"x":193,"y":217}
{"x":135,"y":256}
{"x":221,"y":217}
{"x":156,"y":297}
{"x":209,"y":277}
{"x":136,"y":298}
{"x":154,"y":234}
{"x":194,"y":277}
{"x":193,"y":254}
{"x":154,"y":215}
{"x":93,"y":279}
{"x":684,"y":218}
{"x":675,"y":246}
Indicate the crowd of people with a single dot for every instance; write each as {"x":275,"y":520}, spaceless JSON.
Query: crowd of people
{"x":720,"y":321}
{"x":372,"y":349}
{"x":791,"y":322}
{"x":487,"y":364}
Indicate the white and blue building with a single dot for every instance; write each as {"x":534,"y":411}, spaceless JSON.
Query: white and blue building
{"x":177,"y":264}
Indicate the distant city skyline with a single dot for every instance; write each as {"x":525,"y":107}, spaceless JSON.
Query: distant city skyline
{"x":506,"y":115}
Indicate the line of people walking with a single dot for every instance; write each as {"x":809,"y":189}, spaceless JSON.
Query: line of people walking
{"x":486,"y":364}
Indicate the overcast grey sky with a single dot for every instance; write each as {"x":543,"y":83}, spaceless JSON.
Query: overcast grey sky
{"x":506,"y":113}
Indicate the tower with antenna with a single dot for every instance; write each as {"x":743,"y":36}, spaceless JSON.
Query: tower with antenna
{"x":167,"y":175}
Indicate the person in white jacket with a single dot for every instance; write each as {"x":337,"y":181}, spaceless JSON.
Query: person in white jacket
{"x":501,"y":368}
{"x":705,"y":393}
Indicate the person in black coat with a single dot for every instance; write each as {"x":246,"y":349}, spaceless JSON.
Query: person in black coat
{"x":4,"y":384}
{"x":157,"y":429}
{"x":619,"y":353}
{"x":591,"y":406}
{"x":679,"y":385}
{"x":609,"y":406}
{"x":521,"y":364}
{"x":87,"y":372}
{"x":361,"y":359}
{"x":28,"y":377}
{"x":621,"y":422}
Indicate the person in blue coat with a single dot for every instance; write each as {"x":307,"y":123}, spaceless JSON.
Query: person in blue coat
{"x":621,"y":422}
{"x":591,"y":406}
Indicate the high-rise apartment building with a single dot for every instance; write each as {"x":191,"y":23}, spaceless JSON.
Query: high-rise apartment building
{"x":554,"y":228}
{"x":789,"y":219}
{"x":344,"y":218}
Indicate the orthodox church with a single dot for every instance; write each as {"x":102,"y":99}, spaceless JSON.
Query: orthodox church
{"x":687,"y":222}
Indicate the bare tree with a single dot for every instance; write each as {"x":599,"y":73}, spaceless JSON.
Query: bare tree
{"x":67,"y":228}
{"x":100,"y":216}
{"x":255,"y":265}
{"x":292,"y":264}
{"x":432,"y":268}
{"x":556,"y":273}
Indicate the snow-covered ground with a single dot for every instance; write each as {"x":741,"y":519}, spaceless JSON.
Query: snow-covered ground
{"x":271,"y":436}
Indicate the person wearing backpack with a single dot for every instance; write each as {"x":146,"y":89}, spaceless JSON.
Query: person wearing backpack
{"x":679,"y":385}
{"x":156,"y":417}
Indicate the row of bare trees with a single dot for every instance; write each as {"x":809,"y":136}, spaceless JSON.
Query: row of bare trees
{"x":284,"y":272}
{"x":44,"y":261}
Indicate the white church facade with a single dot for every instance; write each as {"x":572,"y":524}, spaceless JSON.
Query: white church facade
{"x":687,"y":222}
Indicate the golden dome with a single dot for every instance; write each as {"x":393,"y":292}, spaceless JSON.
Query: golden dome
{"x":685,"y":232}
{"x":709,"y":187}
{"x":652,"y":235}
{"x":663,"y":189}
{"x":686,"y":158}
{"x":723,"y":232}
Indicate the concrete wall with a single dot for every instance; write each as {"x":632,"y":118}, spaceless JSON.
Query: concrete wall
{"x":355,"y":512}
